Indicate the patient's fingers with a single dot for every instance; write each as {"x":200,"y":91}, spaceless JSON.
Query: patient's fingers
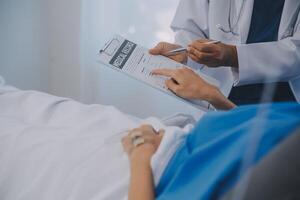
{"x":161,"y":133}
{"x":147,"y":127}
{"x":127,"y":144}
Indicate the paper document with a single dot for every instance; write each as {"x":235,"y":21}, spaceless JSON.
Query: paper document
{"x":135,"y":61}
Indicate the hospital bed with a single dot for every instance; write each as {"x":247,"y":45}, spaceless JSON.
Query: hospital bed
{"x":57,"y":148}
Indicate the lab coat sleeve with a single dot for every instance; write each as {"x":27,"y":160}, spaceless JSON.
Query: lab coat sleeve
{"x":269,"y":62}
{"x":191,"y":21}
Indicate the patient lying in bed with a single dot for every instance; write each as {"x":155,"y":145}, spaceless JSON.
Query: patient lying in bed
{"x":56,"y":148}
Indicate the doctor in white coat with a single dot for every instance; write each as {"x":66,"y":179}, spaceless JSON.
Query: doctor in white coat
{"x":260,"y":43}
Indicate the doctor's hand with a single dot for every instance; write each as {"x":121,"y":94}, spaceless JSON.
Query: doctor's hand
{"x":163,"y":48}
{"x":185,"y":83}
{"x":213,"y":55}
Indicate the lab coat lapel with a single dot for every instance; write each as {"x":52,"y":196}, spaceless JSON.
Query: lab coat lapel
{"x":245,"y":18}
{"x":290,"y":7}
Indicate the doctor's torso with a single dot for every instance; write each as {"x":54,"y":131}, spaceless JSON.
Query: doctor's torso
{"x":230,"y":22}
{"x":235,"y":15}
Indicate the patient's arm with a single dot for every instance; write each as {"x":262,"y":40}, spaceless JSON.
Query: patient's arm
{"x":185,"y":83}
{"x":141,"y":181}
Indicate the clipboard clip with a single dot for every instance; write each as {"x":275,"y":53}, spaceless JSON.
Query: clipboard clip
{"x":110,"y":47}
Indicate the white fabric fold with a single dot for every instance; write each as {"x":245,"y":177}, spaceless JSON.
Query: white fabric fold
{"x":172,"y":140}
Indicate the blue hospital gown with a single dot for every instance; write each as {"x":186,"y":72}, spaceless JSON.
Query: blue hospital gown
{"x":209,"y":161}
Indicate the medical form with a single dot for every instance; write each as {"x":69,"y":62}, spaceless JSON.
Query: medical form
{"x":134,"y":60}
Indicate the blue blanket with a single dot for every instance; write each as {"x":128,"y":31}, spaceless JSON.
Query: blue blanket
{"x":210,"y":161}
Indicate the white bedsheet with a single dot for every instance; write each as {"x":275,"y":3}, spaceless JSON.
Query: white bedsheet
{"x":54,"y":148}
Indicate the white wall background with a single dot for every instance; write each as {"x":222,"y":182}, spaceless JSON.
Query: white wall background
{"x":23,"y":46}
{"x":40,"y":45}
{"x":52,"y":45}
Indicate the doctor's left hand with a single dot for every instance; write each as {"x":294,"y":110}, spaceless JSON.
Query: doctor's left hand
{"x":184,"y":82}
{"x":163,"y":48}
{"x":213,"y":55}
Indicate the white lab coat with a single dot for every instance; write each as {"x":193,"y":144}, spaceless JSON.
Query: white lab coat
{"x":258,"y":63}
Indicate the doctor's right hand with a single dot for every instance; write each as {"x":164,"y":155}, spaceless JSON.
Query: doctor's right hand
{"x":163,"y":48}
{"x":213,"y":55}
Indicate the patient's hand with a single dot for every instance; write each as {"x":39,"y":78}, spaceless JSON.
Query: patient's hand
{"x":185,"y":83}
{"x":163,"y":48}
{"x":141,"y":143}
